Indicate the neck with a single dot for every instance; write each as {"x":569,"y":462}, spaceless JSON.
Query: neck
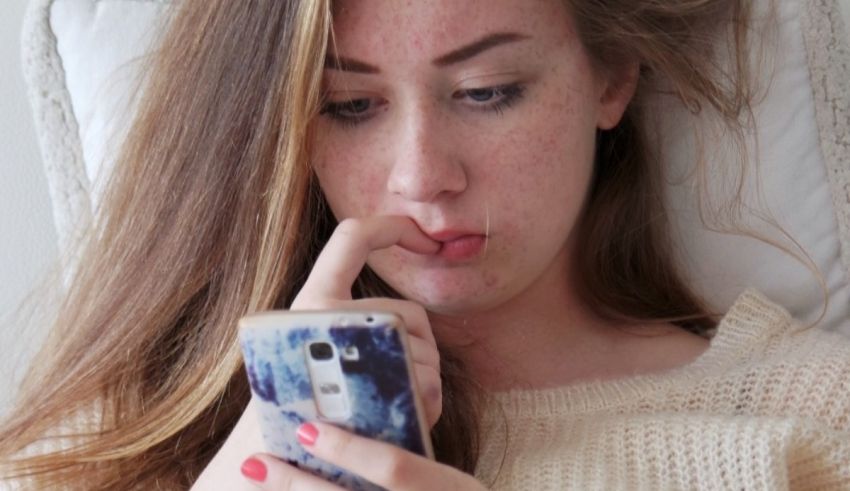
{"x":542,"y":337}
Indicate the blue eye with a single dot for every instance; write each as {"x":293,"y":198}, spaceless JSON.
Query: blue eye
{"x":496,"y":98}
{"x":352,"y":112}
{"x":481,"y":95}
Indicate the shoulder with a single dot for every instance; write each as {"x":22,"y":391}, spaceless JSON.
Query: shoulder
{"x":787,"y":368}
{"x":810,"y":372}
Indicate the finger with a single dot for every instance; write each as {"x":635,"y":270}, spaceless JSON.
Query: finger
{"x":430,"y":392}
{"x":345,"y":254}
{"x":424,"y":353}
{"x":266,"y":472}
{"x":415,"y":317}
{"x":381,"y":463}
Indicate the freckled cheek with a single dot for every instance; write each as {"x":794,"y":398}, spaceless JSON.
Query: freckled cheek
{"x":525,"y":167}
{"x":537,"y":177}
{"x":351,"y":186}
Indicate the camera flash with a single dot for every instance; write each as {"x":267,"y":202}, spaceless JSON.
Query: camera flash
{"x":350,"y":353}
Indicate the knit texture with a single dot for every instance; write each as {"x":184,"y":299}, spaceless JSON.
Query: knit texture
{"x":829,"y":69}
{"x":766,"y":406}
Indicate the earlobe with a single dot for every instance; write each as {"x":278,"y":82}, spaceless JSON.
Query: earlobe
{"x":620,"y":86}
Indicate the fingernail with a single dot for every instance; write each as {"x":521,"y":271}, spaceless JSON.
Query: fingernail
{"x":254,"y":469}
{"x":307,"y":434}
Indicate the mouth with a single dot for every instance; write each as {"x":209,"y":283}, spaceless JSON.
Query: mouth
{"x":458,"y":246}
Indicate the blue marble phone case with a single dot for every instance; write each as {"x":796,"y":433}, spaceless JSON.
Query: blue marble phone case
{"x":383,"y":404}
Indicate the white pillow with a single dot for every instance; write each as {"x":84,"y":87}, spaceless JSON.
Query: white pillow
{"x":801,"y":171}
{"x":801,"y":125}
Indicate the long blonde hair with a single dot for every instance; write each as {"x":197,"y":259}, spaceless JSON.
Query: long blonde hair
{"x":213,"y":212}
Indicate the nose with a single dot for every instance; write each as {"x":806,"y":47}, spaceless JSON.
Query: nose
{"x":425,"y":164}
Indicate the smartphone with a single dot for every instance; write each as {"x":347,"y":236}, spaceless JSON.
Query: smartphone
{"x":352,"y":369}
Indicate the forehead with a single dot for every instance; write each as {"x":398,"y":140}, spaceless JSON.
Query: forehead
{"x":433,"y":27}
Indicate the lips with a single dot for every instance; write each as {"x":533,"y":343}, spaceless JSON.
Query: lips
{"x":458,"y":246}
{"x":465,"y":247}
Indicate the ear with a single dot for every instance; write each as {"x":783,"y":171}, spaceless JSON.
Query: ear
{"x":616,"y":91}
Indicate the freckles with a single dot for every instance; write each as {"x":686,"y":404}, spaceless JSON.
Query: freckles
{"x":550,"y":144}
{"x":362,"y":189}
{"x":366,"y":182}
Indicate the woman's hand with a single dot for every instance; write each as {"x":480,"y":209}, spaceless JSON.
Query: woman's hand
{"x":329,"y":287}
{"x":381,"y":463}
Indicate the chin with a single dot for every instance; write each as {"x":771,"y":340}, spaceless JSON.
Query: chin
{"x":463,"y":288}
{"x":450,"y":307}
{"x":451,"y":297}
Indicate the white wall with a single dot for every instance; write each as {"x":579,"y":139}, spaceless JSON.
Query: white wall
{"x":27,"y":236}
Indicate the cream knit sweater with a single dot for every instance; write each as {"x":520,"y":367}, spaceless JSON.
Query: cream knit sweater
{"x":767,"y":406}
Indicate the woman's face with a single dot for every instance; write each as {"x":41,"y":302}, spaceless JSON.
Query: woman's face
{"x":475,"y":118}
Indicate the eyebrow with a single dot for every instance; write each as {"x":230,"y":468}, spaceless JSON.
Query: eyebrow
{"x":334,"y":62}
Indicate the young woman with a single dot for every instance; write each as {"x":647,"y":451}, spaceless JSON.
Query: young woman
{"x":480,"y":167}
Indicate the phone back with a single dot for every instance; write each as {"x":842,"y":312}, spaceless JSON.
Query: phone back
{"x":356,"y":377}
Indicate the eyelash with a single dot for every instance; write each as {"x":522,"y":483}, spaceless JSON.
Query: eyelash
{"x":505,"y":97}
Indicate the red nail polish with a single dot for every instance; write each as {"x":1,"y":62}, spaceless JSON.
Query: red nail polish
{"x":254,"y":469}
{"x":307,"y":434}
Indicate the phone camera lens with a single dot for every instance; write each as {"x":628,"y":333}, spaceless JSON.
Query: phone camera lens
{"x":321,"y":351}
{"x":370,"y":319}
